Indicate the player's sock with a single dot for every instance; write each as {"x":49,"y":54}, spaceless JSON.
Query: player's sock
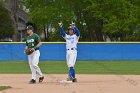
{"x":72,"y":72}
{"x":70,"y":75}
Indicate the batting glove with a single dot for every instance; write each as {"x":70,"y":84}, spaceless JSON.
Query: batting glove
{"x":60,"y":24}
{"x":72,"y":24}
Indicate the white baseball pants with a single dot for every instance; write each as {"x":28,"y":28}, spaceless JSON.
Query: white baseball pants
{"x":33,"y":63}
{"x":71,"y":57}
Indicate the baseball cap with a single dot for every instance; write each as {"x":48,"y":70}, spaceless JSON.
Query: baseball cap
{"x":29,"y":27}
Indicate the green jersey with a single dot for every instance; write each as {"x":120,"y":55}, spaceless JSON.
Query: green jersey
{"x":32,"y":41}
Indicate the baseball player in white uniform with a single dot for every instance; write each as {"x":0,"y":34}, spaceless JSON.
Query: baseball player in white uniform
{"x":71,"y":48}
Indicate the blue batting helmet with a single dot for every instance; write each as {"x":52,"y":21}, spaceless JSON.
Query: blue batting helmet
{"x":70,"y":27}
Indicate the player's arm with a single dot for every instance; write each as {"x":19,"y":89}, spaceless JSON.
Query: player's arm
{"x":26,"y":47}
{"x":39,"y":42}
{"x":62,"y":32}
{"x":77,"y":32}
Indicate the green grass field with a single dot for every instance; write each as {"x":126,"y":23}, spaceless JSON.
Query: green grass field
{"x":4,"y":87}
{"x":87,"y":67}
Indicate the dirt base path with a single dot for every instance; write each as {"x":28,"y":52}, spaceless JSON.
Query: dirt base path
{"x":85,"y":84}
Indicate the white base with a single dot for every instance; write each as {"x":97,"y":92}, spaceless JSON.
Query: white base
{"x":65,"y":81}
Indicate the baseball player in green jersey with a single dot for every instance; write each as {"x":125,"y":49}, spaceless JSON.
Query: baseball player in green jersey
{"x":33,"y":42}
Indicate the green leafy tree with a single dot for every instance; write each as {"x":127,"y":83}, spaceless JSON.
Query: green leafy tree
{"x":96,"y":19}
{"x":47,"y":13}
{"x":6,"y":27}
{"x":118,"y":17}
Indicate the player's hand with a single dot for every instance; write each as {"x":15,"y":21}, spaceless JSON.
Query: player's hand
{"x":72,"y":24}
{"x":60,"y":24}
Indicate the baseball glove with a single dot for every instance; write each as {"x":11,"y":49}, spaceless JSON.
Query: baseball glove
{"x":29,"y":51}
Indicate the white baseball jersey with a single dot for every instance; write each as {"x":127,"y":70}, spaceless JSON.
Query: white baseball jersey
{"x":71,"y":45}
{"x":71,"y":41}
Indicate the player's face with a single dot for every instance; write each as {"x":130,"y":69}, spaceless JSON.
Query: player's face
{"x":71,"y":32}
{"x":29,"y":31}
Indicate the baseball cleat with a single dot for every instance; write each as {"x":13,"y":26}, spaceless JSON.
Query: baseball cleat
{"x":74,"y":80}
{"x":32,"y":81}
{"x":41,"y":79}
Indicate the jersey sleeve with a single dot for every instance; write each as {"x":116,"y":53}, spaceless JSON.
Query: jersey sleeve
{"x":38,"y":39}
{"x":77,"y":31}
{"x":77,"y":37}
{"x":62,"y":32}
{"x":65,"y":36}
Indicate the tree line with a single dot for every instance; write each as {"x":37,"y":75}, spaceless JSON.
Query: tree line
{"x":98,"y":20}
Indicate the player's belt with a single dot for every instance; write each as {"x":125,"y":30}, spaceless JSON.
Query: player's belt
{"x":72,"y":49}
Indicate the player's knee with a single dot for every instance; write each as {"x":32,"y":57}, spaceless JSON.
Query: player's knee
{"x":35,"y":66}
{"x":71,"y":65}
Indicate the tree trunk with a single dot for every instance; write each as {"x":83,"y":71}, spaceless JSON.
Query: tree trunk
{"x":98,"y":31}
{"x":46,"y":32}
{"x":44,"y":29}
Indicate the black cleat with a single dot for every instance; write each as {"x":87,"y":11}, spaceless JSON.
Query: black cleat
{"x":41,"y":79}
{"x":74,"y":80}
{"x":32,"y":81}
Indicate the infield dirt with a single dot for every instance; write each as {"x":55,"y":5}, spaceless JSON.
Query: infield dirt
{"x":86,"y":84}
